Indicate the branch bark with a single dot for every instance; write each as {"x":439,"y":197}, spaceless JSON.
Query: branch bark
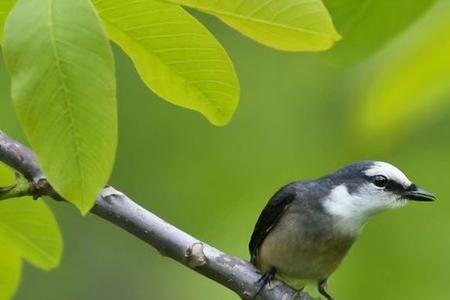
{"x":112,"y":205}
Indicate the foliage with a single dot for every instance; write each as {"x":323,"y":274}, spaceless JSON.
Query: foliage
{"x":72,"y":83}
{"x":289,"y":25}
{"x":28,"y":230}
{"x":175,"y":55}
{"x":10,"y":266}
{"x":5,"y":8}
{"x":64,"y":94}
{"x":63,"y":85}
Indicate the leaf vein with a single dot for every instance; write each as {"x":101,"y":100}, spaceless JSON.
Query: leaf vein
{"x":159,"y":36}
{"x":233,"y":14}
{"x":66,"y":99}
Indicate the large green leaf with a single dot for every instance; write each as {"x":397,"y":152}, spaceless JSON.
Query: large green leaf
{"x":175,"y":55}
{"x":367,"y":25}
{"x":30,"y":227}
{"x":5,"y":8}
{"x":413,"y":83}
{"x":10,"y":269}
{"x":63,"y":88}
{"x":290,"y":25}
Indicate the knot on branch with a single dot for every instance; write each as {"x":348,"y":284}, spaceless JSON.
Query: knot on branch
{"x":195,"y":257}
{"x":110,"y":194}
{"x":40,"y":188}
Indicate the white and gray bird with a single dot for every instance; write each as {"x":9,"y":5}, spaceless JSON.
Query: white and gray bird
{"x":307,"y":227}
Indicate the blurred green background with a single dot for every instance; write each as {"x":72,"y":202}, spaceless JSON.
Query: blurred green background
{"x":299,"y":117}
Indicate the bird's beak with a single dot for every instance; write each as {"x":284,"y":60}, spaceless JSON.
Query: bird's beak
{"x":418,"y":194}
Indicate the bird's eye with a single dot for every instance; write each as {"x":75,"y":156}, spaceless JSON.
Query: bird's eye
{"x":380,"y":181}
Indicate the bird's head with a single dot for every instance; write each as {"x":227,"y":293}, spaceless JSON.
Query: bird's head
{"x":365,"y":188}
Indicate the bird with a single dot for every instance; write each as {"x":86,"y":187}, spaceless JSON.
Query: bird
{"x":307,"y":227}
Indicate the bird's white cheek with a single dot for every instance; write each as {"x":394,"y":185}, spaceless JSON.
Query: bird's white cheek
{"x":379,"y":201}
{"x":397,"y":203}
{"x":352,"y":211}
{"x":341,"y":203}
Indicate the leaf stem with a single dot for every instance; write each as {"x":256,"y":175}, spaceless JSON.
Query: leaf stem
{"x":20,"y":188}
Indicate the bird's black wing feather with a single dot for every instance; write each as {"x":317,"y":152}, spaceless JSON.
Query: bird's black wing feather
{"x":270,"y":216}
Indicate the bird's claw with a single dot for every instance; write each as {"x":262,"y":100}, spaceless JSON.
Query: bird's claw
{"x":264,"y":279}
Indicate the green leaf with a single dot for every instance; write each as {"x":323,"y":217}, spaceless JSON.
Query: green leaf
{"x":30,"y":227}
{"x":6,"y":175}
{"x":5,"y":8}
{"x":27,"y":229}
{"x":175,"y":55}
{"x":10,"y":269}
{"x":63,"y":88}
{"x":290,"y":25}
{"x":367,"y":25}
{"x":413,"y":83}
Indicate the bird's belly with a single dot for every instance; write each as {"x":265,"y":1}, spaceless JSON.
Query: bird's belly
{"x":303,"y":255}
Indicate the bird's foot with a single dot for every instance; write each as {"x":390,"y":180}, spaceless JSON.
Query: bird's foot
{"x":264,"y":279}
{"x":267,"y":276}
{"x":322,"y":287}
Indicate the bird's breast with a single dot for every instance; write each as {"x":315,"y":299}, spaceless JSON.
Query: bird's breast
{"x":303,"y":247}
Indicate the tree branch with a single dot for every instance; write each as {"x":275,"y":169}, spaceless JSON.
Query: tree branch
{"x":112,"y":205}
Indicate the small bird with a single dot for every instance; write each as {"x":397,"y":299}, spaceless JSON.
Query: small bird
{"x":307,"y":227}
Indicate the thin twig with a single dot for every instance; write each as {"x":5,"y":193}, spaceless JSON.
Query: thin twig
{"x":232,"y":272}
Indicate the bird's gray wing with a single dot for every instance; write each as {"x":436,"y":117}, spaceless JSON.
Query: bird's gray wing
{"x":270,"y":216}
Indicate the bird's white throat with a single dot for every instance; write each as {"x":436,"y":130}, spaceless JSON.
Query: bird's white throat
{"x":351,"y":211}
